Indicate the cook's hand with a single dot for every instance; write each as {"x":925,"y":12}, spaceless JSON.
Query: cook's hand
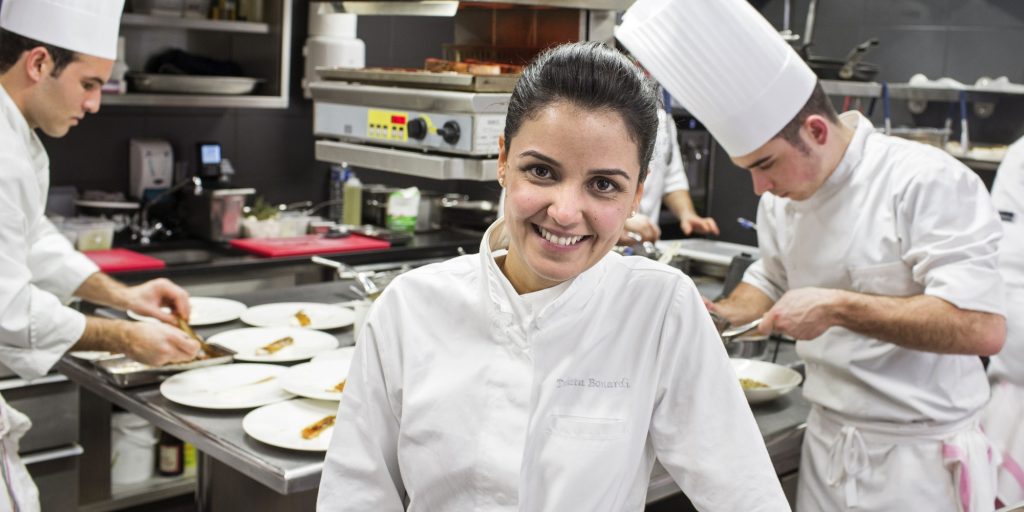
{"x":157,"y":344}
{"x":691,"y":223}
{"x":803,"y":313}
{"x":641,"y":225}
{"x":147,"y":299}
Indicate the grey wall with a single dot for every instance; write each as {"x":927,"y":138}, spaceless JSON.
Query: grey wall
{"x":271,"y":149}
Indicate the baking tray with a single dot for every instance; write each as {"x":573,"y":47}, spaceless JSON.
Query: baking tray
{"x":423,"y":79}
{"x":193,"y":84}
{"x":124,"y":372}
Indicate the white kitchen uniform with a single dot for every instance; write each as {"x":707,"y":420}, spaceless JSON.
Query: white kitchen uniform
{"x":892,"y":428}
{"x":1003,"y":415}
{"x":464,"y":396}
{"x":665,"y":173}
{"x":39,"y":270}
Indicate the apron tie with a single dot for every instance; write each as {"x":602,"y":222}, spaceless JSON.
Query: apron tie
{"x":848,"y":459}
{"x":961,"y":453}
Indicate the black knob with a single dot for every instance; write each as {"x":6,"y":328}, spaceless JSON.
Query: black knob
{"x":417,"y":128}
{"x":450,"y":132}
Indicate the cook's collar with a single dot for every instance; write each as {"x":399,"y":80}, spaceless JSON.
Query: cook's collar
{"x":19,"y":125}
{"x":862,"y":127}
{"x":504,"y":299}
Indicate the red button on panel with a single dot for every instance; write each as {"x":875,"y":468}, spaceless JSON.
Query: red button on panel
{"x":397,"y":119}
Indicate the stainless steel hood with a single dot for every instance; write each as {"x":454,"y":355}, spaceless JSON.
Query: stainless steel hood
{"x":449,"y":7}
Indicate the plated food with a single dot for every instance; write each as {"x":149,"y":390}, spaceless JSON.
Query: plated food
{"x":300,"y":424}
{"x":322,"y":380}
{"x":763,"y":381}
{"x":233,"y":386}
{"x":205,"y":311}
{"x":311,"y":315}
{"x":275,"y":344}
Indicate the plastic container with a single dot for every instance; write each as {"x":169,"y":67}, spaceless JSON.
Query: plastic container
{"x":403,"y":208}
{"x":337,"y":190}
{"x":90,"y":233}
{"x":132,"y":456}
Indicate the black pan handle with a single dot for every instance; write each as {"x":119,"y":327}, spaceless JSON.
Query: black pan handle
{"x":854,"y":58}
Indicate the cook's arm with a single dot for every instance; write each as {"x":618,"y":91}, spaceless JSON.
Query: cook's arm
{"x":681,"y":204}
{"x":744,"y":304}
{"x":146,"y":298}
{"x":361,"y":469}
{"x":702,"y":428}
{"x":921,"y":322}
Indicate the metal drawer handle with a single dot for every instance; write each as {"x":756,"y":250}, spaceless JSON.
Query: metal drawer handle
{"x":16,"y":383}
{"x":73,"y":450}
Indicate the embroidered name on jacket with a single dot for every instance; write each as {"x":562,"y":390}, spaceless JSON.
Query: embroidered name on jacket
{"x":590,"y":382}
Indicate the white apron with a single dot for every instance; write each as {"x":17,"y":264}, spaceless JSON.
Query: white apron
{"x":934,"y":467}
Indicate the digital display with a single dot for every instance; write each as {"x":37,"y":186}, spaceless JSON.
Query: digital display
{"x":209,"y":154}
{"x":397,"y":119}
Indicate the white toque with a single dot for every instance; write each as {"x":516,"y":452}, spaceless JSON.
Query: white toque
{"x":724,"y":63}
{"x":83,"y":26}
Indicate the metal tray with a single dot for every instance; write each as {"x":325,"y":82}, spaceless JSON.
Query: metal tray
{"x":192,"y":84}
{"x":423,"y":79}
{"x":124,"y":372}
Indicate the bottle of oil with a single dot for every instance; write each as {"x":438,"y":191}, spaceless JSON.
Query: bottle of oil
{"x":353,"y":203}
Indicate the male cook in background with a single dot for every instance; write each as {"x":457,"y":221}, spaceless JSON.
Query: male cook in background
{"x":878,"y":252}
{"x":54,"y":56}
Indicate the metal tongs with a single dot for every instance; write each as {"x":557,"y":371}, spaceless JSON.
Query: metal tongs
{"x":206,"y":347}
{"x":731,"y":334}
{"x":368,"y":289}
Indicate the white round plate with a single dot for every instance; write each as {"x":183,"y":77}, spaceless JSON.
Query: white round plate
{"x":282,"y":314}
{"x":316,"y":379}
{"x":780,"y":379}
{"x":205,"y":311}
{"x":247,"y":342}
{"x":91,"y":355}
{"x":229,"y":386}
{"x":281,"y":424}
{"x":343,"y":353}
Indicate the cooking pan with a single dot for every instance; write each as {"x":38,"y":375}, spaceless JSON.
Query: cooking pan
{"x":851,"y":68}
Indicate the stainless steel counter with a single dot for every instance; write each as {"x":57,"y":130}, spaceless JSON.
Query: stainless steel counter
{"x":219,"y":435}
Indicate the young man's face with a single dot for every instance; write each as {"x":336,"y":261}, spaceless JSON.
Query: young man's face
{"x":786,"y":170}
{"x":62,"y":101}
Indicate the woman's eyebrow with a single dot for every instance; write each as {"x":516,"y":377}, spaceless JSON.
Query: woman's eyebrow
{"x":539,"y":156}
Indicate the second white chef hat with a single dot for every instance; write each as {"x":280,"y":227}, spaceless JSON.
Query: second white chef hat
{"x":83,"y":26}
{"x":724,"y":62}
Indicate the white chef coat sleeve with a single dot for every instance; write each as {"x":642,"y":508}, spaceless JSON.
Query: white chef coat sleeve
{"x":361,"y":469}
{"x":675,"y":174}
{"x":702,"y":428}
{"x":953,"y":252}
{"x":55,"y":265}
{"x":35,"y":327}
{"x":767,"y":273}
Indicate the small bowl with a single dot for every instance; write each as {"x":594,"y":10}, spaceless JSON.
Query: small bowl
{"x":780,"y":379}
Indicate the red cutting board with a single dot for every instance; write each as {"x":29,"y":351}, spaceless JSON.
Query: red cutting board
{"x":123,"y":260}
{"x":307,"y":245}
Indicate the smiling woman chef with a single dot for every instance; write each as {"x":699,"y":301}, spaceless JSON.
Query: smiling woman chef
{"x":54,"y":56}
{"x":531,"y":376}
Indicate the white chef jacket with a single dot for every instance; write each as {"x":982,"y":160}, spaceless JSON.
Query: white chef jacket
{"x":1002,"y":416}
{"x":39,"y":270}
{"x":454,"y":403}
{"x":666,"y":172}
{"x":895,"y":218}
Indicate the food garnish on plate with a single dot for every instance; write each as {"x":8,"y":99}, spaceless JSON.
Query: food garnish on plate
{"x":275,"y":346}
{"x":339,"y":387}
{"x":303,"y":318}
{"x":752,"y":384}
{"x":314,"y":430}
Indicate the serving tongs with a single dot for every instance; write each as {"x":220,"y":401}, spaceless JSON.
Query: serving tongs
{"x":367,"y":288}
{"x":735,"y":334}
{"x":208,"y":350}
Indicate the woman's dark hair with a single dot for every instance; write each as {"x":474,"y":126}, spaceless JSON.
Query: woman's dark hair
{"x":13,"y":45}
{"x":594,"y":77}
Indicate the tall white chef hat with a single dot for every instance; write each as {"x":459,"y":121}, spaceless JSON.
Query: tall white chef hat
{"x":724,"y":62}
{"x":83,"y":26}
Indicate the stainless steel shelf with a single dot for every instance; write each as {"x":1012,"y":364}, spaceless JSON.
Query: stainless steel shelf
{"x":592,"y":5}
{"x":150,"y":490}
{"x":846,"y":88}
{"x":145,"y":20}
{"x":412,"y":163}
{"x":905,"y":91}
{"x":193,"y":100}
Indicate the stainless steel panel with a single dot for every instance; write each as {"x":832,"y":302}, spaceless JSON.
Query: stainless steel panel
{"x":408,"y":162}
{"x":53,"y":409}
{"x":412,"y":99}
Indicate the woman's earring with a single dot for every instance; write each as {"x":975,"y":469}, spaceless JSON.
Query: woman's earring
{"x":632,"y":214}
{"x":501,"y":181}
